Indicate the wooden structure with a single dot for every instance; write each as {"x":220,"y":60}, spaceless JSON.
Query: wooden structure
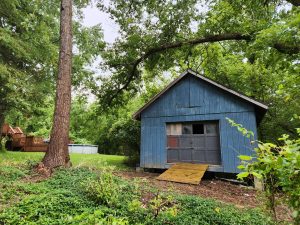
{"x":186,"y":122}
{"x":19,"y":141}
{"x":35,"y":144}
{"x":184,"y":173}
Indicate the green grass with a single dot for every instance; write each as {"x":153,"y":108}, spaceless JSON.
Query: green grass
{"x":97,"y":161}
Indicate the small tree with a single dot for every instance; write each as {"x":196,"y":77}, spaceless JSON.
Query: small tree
{"x":278,"y":166}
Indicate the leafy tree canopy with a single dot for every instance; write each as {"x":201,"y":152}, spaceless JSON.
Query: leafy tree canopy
{"x":250,"y":46}
{"x":29,"y":39}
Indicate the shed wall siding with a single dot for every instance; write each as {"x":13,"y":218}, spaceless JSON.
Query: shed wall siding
{"x":194,"y":100}
{"x":193,"y":96}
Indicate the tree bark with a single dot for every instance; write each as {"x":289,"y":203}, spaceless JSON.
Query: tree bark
{"x":57,"y":153}
{"x":2,"y":118}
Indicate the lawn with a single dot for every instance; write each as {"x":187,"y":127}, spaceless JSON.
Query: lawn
{"x":96,"y":161}
{"x":90,"y":193}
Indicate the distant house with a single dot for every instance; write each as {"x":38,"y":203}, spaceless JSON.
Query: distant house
{"x":186,"y":122}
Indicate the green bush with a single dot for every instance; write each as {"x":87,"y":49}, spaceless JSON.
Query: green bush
{"x":132,"y":160}
{"x":12,"y":191}
{"x":112,"y":191}
{"x":279,"y":168}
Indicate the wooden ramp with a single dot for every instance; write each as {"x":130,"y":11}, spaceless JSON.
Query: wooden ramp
{"x":184,"y":173}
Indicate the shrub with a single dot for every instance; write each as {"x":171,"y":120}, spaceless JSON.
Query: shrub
{"x":278,"y":166}
{"x":132,"y":160}
{"x":111,"y":190}
{"x":51,"y":201}
{"x":124,"y":201}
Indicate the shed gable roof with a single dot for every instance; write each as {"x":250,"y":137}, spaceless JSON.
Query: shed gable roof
{"x":260,"y":108}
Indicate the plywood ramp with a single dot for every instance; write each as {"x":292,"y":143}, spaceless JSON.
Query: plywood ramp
{"x":184,"y":173}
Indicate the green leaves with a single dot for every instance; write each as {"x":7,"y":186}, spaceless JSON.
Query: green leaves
{"x":259,"y":176}
{"x":27,"y":56}
{"x":241,"y":167}
{"x":245,"y":157}
{"x":29,"y":39}
{"x":258,"y":67}
{"x":278,"y":166}
{"x":241,"y":129}
{"x":243,"y":175}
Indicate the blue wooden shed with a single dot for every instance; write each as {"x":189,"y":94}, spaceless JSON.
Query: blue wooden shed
{"x":186,"y":122}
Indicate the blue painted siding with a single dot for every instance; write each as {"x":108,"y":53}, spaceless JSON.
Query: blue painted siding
{"x":195,"y":100}
{"x":193,"y":96}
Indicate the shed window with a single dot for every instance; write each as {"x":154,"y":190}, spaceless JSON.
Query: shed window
{"x":187,"y":129}
{"x":198,"y":128}
{"x":174,"y":129}
{"x":211,"y":129}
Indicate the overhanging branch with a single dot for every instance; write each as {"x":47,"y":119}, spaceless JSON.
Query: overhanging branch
{"x":294,"y":2}
{"x":132,"y":71}
{"x":287,"y":49}
{"x":162,"y":48}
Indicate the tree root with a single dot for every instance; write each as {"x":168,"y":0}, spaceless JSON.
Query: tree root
{"x":43,"y":170}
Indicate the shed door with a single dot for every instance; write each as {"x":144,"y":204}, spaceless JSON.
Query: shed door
{"x":196,"y":142}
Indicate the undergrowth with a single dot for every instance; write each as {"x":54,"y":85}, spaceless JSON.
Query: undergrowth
{"x":85,"y":196}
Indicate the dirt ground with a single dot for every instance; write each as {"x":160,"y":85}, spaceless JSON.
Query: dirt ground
{"x":239,"y":195}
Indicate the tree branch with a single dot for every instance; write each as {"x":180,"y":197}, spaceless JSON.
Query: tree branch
{"x":162,"y":48}
{"x":294,"y":2}
{"x":287,"y":49}
{"x":132,"y":73}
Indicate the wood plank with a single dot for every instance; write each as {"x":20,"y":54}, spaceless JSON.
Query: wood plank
{"x":188,"y":173}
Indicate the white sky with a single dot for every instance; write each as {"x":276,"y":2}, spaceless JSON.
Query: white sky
{"x":93,"y":16}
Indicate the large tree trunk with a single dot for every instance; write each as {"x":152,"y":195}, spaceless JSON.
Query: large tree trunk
{"x":57,"y":153}
{"x":2,"y":118}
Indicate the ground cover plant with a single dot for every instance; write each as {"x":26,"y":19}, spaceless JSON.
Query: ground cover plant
{"x":83,"y":195}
